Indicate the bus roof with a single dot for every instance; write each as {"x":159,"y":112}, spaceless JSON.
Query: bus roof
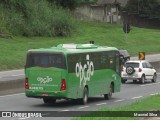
{"x":75,"y":48}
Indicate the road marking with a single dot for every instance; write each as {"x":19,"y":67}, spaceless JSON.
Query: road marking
{"x":11,"y":95}
{"x":154,"y":94}
{"x":119,"y":100}
{"x":17,"y":75}
{"x":45,"y":114}
{"x":137,"y":97}
{"x":101,"y":104}
{"x":150,"y":84}
{"x":83,"y":107}
{"x":63,"y":110}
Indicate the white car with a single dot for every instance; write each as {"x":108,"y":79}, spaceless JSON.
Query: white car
{"x":138,"y":70}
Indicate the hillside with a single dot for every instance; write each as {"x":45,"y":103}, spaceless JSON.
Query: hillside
{"x":13,"y":50}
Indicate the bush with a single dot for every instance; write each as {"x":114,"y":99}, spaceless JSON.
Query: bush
{"x":34,"y":18}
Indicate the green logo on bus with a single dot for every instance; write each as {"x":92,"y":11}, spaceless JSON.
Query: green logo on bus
{"x":84,"y":72}
{"x":44,"y":80}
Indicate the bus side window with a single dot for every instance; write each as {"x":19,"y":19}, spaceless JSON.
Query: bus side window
{"x":96,"y":60}
{"x":112,"y":60}
{"x":73,"y":59}
{"x":104,"y":60}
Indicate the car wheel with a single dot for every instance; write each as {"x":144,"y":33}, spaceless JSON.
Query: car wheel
{"x":142,"y":79}
{"x":85,"y":96}
{"x":49,"y":100}
{"x":109,"y":95}
{"x":154,"y":77}
{"x":123,"y":80}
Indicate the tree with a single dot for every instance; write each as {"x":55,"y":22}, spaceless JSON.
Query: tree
{"x":144,"y":8}
{"x":70,"y":4}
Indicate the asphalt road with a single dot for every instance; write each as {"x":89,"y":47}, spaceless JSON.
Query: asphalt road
{"x":19,"y":74}
{"x":129,"y":92}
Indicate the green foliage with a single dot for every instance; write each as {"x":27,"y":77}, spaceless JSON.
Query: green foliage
{"x":144,"y":8}
{"x":147,"y":104}
{"x":34,"y":18}
{"x":13,"y":51}
{"x":69,"y":4}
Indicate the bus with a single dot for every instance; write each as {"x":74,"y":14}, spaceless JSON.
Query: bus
{"x":72,"y":71}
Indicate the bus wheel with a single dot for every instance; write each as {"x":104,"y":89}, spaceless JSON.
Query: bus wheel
{"x":85,"y":96}
{"x":109,"y":95}
{"x":49,"y":100}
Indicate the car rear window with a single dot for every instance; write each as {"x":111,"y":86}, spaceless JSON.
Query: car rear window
{"x":124,"y":52}
{"x":45,"y":60}
{"x":135,"y":65}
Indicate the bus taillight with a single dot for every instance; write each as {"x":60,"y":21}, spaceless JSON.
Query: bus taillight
{"x":26,"y":83}
{"x":63,"y":84}
{"x":122,"y":69}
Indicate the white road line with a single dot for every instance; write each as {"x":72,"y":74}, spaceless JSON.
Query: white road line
{"x":83,"y":107}
{"x":119,"y":100}
{"x":154,"y":94}
{"x":63,"y":110}
{"x":17,"y":75}
{"x":150,"y":84}
{"x":137,"y":97}
{"x":45,"y":114}
{"x":11,"y":95}
{"x":101,"y":104}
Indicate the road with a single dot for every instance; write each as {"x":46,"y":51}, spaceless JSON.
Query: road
{"x":19,"y":74}
{"x":129,"y":92}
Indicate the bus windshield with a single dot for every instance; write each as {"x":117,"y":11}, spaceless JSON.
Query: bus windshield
{"x":45,"y":60}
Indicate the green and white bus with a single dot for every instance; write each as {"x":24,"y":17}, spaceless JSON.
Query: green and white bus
{"x":72,"y":71}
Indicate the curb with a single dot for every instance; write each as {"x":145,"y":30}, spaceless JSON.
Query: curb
{"x":11,"y":84}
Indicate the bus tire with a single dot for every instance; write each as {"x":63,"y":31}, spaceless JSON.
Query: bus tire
{"x":49,"y":100}
{"x":85,"y":96}
{"x":109,"y":95}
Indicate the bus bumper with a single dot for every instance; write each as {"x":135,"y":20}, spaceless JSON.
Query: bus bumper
{"x":42,"y":94}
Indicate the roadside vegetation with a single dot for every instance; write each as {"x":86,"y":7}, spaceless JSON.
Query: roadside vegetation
{"x":34,"y":18}
{"x":13,"y":50}
{"x":147,"y":104}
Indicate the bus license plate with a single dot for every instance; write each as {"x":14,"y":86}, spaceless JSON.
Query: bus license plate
{"x":45,"y":94}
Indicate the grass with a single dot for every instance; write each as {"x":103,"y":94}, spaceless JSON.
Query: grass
{"x":147,"y":104}
{"x":13,"y":51}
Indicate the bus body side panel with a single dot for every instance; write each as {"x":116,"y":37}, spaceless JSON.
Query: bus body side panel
{"x":101,"y":81}
{"x":74,"y":89}
{"x":106,"y":70}
{"x":98,"y":84}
